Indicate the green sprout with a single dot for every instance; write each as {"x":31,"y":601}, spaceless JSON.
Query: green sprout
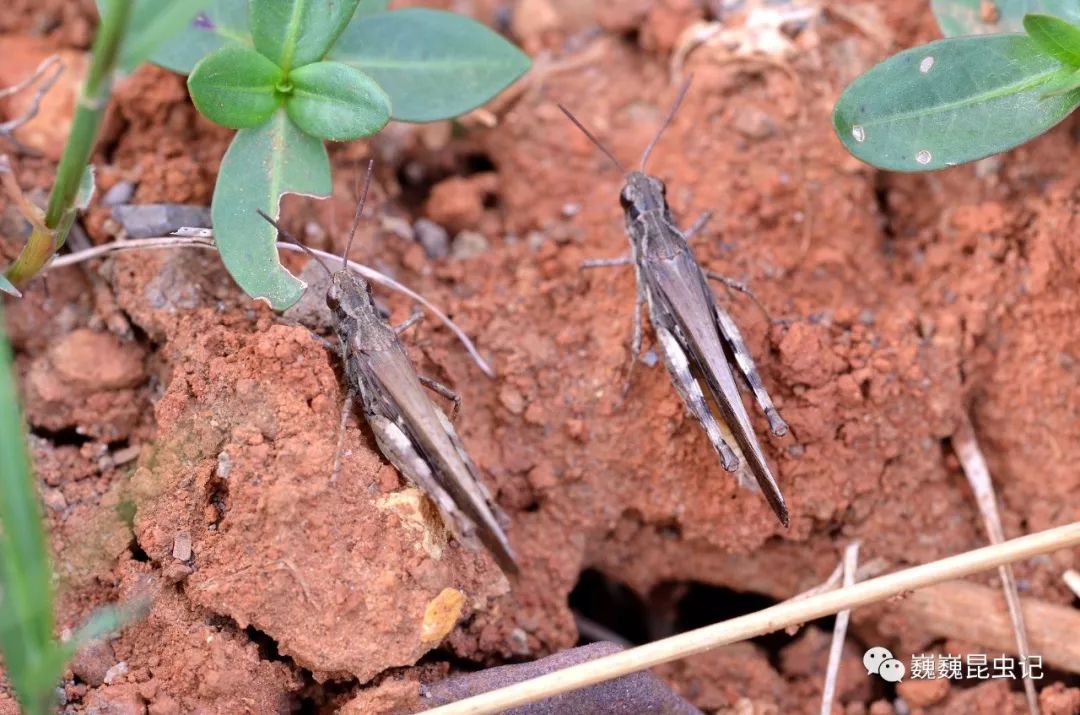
{"x":125,"y":38}
{"x":964,"y":98}
{"x":34,"y":660}
{"x":291,"y":75}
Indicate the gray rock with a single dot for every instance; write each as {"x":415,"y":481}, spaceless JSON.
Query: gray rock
{"x":433,"y":237}
{"x":120,"y":193}
{"x":468,"y":244}
{"x":146,"y":220}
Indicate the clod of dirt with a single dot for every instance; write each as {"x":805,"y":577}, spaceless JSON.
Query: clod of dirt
{"x":190,"y":660}
{"x":346,"y":581}
{"x":87,"y":381}
{"x":458,"y":202}
{"x":92,"y":663}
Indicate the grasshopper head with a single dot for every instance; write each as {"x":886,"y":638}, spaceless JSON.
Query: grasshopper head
{"x":349,"y":297}
{"x":643,"y":194}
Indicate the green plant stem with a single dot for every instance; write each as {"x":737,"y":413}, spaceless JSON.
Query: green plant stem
{"x":90,"y":110}
{"x":27,"y":618}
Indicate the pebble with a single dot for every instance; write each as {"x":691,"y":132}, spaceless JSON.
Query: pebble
{"x":120,"y":193}
{"x":468,"y":244}
{"x":181,"y":549}
{"x":433,"y":237}
{"x":92,"y":664}
{"x":146,"y":220}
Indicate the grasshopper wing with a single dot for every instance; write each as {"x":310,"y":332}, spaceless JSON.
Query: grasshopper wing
{"x":680,"y":286}
{"x":471,"y":512}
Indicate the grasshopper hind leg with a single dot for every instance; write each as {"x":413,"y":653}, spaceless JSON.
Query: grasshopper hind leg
{"x":743,"y":360}
{"x":690,"y":390}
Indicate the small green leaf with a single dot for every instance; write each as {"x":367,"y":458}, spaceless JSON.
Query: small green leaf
{"x":950,"y":102}
{"x":6,"y":286}
{"x":967,"y":17}
{"x":433,"y":64}
{"x":263,"y":163}
{"x":224,"y":22}
{"x":235,"y":87}
{"x":1054,"y":36}
{"x":296,"y":33}
{"x":334,"y":101}
{"x":1064,"y":81}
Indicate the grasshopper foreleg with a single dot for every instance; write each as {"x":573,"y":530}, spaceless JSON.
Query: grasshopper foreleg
{"x":409,"y":322}
{"x":608,"y":262}
{"x":346,"y":408}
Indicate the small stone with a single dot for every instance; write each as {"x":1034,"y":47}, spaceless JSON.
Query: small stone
{"x":146,"y":220}
{"x":117,"y":671}
{"x":181,"y":549}
{"x":164,"y":705}
{"x":92,"y":664}
{"x":54,"y":499}
{"x":753,"y":123}
{"x":120,"y":193}
{"x":224,"y":466}
{"x":923,"y":693}
{"x":468,"y":244}
{"x":176,"y":571}
{"x":115,"y":700}
{"x":512,"y":399}
{"x":433,"y":237}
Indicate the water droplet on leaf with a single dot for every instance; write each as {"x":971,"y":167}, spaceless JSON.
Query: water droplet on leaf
{"x":859,"y":133}
{"x":926,"y":64}
{"x":923,"y":157}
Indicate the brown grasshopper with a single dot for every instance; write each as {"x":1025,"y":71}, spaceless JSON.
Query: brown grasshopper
{"x":694,"y":333}
{"x":412,"y":432}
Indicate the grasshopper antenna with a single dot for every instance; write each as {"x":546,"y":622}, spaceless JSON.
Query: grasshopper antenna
{"x":667,"y":121}
{"x":289,"y":237}
{"x":356,"y":216}
{"x":593,"y":139}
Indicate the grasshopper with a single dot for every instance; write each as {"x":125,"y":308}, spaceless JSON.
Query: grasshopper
{"x":697,"y":339}
{"x":412,"y":432}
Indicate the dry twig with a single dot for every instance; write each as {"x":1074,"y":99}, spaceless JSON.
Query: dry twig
{"x":836,"y":648}
{"x":7,"y":129}
{"x":978,"y":476}
{"x":204,"y":241}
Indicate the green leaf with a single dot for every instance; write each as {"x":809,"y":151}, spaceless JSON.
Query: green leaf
{"x":235,"y":87}
{"x":370,"y":7}
{"x":261,"y":164}
{"x":433,"y":64}
{"x":1054,"y":36}
{"x":1066,"y":80}
{"x":950,"y":102}
{"x":26,"y":618}
{"x":334,"y":101}
{"x":965,"y":17}
{"x":8,"y":287}
{"x":296,"y":33}
{"x":224,"y":22}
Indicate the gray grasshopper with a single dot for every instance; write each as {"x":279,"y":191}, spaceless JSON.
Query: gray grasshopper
{"x":697,"y":338}
{"x":413,"y":433}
